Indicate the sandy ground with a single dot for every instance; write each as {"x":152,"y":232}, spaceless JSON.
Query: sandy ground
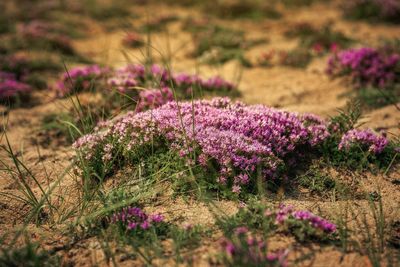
{"x":302,"y":90}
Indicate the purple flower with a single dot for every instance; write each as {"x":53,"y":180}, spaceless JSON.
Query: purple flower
{"x":236,"y":137}
{"x":132,"y":225}
{"x":366,"y":66}
{"x":156,"y":218}
{"x":145,"y":225}
{"x":11,"y":88}
{"x":132,"y":217}
{"x":316,"y":221}
{"x":286,"y":212}
{"x":241,"y":230}
{"x":79,"y":79}
{"x":363,"y":138}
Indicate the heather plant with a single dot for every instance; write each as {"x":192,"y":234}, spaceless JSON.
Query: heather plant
{"x":373,"y":10}
{"x":218,"y":135}
{"x":148,"y":85}
{"x":42,"y":35}
{"x":80,"y":79}
{"x":134,"y":221}
{"x":231,"y":145}
{"x":366,"y":66}
{"x":244,"y":249}
{"x":373,"y":72}
{"x":27,"y":70}
{"x":350,"y":147}
{"x":302,"y":224}
{"x":12,"y":90}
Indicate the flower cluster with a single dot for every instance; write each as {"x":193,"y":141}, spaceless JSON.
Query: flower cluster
{"x":45,"y":34}
{"x":366,"y":66}
{"x":35,"y":29}
{"x":134,"y":218}
{"x":130,"y":76}
{"x":231,"y":135}
{"x":134,"y":80}
{"x":11,"y":88}
{"x":363,"y":139}
{"x":153,"y":98}
{"x":286,"y":214}
{"x":80,"y":79}
{"x":243,"y":249}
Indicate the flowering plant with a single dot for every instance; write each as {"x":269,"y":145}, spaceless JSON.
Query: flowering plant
{"x":135,"y":220}
{"x":80,"y":79}
{"x":244,"y":249}
{"x":366,"y":66}
{"x":11,"y":89}
{"x":363,"y":139}
{"x":302,"y":223}
{"x":235,"y":138}
{"x":235,"y":142}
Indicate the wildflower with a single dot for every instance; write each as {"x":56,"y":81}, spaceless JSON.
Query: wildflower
{"x":237,"y":137}
{"x":134,"y":218}
{"x":79,"y":79}
{"x":156,"y":218}
{"x":241,"y":230}
{"x":10,"y":88}
{"x":363,"y":138}
{"x":285,"y":213}
{"x":145,"y":225}
{"x":366,"y":66}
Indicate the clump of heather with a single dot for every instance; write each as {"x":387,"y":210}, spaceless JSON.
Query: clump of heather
{"x":384,"y":10}
{"x":244,"y":249}
{"x":41,"y":34}
{"x":231,"y":143}
{"x":131,"y":79}
{"x":232,"y":137}
{"x":153,"y":98}
{"x":357,"y":149}
{"x":11,"y":89}
{"x":128,"y":79}
{"x":363,"y":139}
{"x":302,"y":223}
{"x":366,"y":67}
{"x":130,"y":76}
{"x":135,"y":220}
{"x":80,"y":79}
